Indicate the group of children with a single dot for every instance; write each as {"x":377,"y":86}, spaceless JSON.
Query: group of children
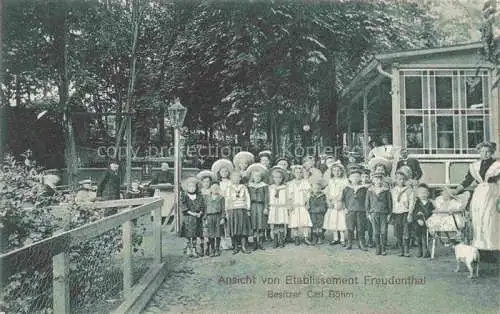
{"x":242,"y":199}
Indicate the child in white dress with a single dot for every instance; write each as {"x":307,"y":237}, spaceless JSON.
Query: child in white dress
{"x":298,"y":194}
{"x":278,"y":205}
{"x":335,"y":216}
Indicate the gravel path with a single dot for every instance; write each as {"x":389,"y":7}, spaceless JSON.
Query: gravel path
{"x":204,"y":285}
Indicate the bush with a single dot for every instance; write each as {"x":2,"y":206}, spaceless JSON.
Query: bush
{"x":26,"y":217}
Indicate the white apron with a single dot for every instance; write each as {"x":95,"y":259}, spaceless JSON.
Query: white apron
{"x":485,"y":217}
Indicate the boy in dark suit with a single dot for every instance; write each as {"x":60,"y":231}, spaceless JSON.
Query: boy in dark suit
{"x":423,"y":210}
{"x":353,"y":200}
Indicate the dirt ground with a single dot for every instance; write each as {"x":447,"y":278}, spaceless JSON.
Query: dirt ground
{"x":220,"y":284}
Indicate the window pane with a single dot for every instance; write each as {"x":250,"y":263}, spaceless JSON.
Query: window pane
{"x":474,"y":87}
{"x":445,"y":132}
{"x":444,"y":98}
{"x":475,"y":130}
{"x":413,"y":91}
{"x":414,"y":132}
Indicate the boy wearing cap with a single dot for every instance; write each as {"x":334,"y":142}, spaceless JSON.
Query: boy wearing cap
{"x":402,"y":213}
{"x":353,"y":200}
{"x":317,"y":207}
{"x":423,"y":210}
{"x":379,"y":207}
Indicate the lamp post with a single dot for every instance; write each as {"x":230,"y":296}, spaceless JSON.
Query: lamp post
{"x":177,"y":113}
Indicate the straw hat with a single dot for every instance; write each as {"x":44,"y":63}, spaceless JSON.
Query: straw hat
{"x":405,"y":171}
{"x":206,"y":173}
{"x":329,"y":157}
{"x":355,"y":169}
{"x":222,"y":163}
{"x":293,"y":167}
{"x":86,"y":181}
{"x":188,"y":181}
{"x":266,"y":153}
{"x":318,"y":179}
{"x":283,"y":172}
{"x":315,"y":172}
{"x":374,"y":162}
{"x":256,"y":167}
{"x":243,"y":156}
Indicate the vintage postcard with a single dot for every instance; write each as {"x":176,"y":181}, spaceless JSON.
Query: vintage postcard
{"x":249,"y":156}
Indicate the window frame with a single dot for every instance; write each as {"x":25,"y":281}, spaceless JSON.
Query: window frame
{"x":459,"y":111}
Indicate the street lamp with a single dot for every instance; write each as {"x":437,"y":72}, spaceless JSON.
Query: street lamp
{"x":177,"y":114}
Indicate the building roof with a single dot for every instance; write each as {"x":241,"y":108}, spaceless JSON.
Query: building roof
{"x":372,"y":72}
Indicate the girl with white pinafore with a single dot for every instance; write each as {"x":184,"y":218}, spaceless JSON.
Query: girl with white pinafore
{"x":335,"y":216}
{"x":299,"y":190}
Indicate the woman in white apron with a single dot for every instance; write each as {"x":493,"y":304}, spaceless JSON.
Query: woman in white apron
{"x":483,"y":206}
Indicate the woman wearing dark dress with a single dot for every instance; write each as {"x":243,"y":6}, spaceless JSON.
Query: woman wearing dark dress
{"x":109,"y":187}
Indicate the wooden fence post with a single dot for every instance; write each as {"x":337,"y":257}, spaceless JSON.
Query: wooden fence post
{"x":127,"y":258}
{"x":60,"y":284}
{"x":157,"y":234}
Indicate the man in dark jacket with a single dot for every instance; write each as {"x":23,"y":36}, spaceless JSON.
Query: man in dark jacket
{"x":413,"y":163}
{"x":109,"y":186}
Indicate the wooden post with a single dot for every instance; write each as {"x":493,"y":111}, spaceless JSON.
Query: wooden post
{"x":396,"y":115}
{"x":128,"y":167}
{"x":127,"y":258}
{"x":60,"y":283}
{"x":365,"y":123}
{"x":157,"y":234}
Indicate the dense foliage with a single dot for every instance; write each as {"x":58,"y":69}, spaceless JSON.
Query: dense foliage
{"x":239,"y":66}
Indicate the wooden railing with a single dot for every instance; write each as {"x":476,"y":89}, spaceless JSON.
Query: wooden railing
{"x":55,"y":250}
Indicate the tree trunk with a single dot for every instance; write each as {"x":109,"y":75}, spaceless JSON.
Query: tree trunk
{"x":328,"y":104}
{"x":161,"y":125}
{"x":132,"y":78}
{"x":70,"y":152}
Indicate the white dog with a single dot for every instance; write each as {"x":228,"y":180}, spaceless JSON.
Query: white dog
{"x":469,"y":255}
